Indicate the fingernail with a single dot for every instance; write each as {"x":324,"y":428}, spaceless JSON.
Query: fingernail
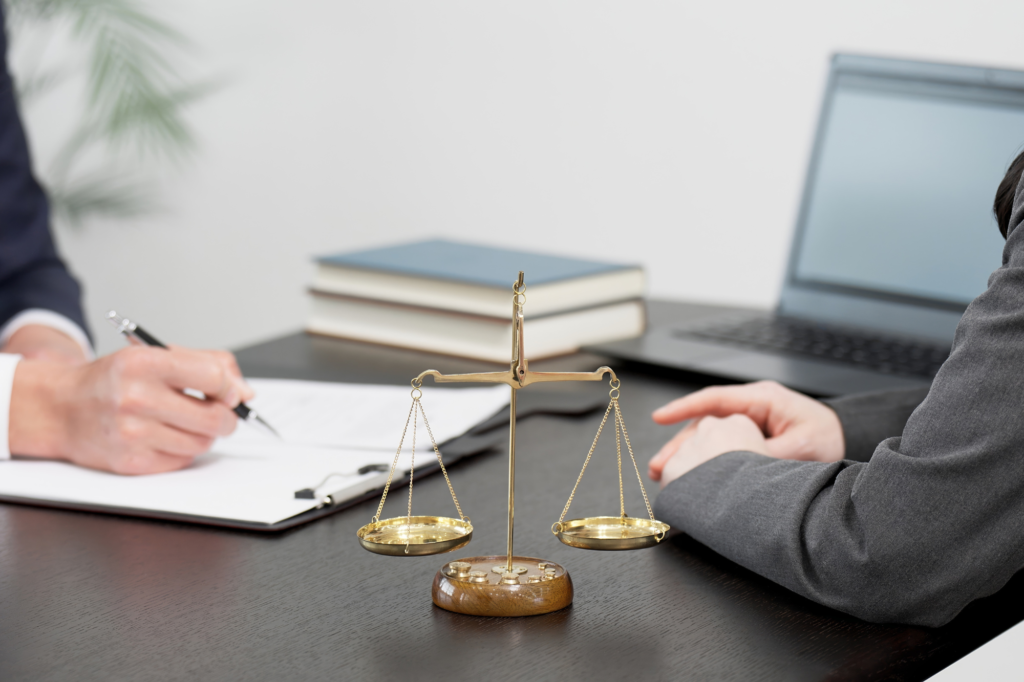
{"x":232,"y":398}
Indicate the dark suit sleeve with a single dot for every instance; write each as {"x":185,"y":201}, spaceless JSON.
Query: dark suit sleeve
{"x":870,"y":418}
{"x":31,"y":273}
{"x":935,"y":518}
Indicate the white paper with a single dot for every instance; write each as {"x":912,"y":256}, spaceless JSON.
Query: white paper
{"x":365,"y":415}
{"x":252,"y":476}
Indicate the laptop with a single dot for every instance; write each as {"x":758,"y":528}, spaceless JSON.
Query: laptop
{"x":895,"y":235}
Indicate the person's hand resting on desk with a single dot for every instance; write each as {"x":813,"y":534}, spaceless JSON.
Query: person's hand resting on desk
{"x":124,"y":412}
{"x":763,"y":417}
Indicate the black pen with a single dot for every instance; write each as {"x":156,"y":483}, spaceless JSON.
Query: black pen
{"x":132,"y":330}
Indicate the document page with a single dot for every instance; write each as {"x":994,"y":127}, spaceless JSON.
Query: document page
{"x":365,"y":415}
{"x":252,"y":476}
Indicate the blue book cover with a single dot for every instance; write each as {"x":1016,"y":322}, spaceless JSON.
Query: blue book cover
{"x":470,"y":263}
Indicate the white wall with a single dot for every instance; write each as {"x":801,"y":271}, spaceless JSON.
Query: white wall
{"x":674,"y":134}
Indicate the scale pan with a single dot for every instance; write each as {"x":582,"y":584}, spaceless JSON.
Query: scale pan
{"x":610,"y":532}
{"x":422,"y":535}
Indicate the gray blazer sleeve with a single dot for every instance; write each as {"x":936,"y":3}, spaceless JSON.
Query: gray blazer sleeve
{"x":870,"y":418}
{"x":935,"y":518}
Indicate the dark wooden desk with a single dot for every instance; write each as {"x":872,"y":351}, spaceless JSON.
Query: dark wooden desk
{"x":93,"y":597}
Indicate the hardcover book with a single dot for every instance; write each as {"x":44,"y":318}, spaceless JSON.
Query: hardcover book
{"x":475,"y":279}
{"x":456,"y":299}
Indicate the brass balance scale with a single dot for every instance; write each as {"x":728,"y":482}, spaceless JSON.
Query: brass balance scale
{"x":508,"y":585}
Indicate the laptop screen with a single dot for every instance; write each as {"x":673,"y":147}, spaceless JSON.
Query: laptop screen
{"x":899,"y":200}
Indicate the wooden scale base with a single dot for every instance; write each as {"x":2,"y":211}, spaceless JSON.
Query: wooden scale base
{"x":480,"y":586}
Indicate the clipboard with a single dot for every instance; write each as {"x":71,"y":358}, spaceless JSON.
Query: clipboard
{"x":488,"y":435}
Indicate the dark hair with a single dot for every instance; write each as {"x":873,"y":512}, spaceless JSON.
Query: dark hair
{"x":1003,"y":205}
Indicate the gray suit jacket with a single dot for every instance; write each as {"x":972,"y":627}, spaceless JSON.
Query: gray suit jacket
{"x":929,"y":520}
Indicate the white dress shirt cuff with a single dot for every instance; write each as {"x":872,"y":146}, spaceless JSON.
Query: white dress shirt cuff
{"x":8,"y":363}
{"x":47,"y":318}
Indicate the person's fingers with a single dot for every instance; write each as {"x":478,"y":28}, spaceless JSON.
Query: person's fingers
{"x":156,"y":401}
{"x":136,"y":446}
{"x":717,"y":401}
{"x":228,"y":359}
{"x":184,"y":368}
{"x":230,"y":364}
{"x":738,"y":425}
{"x":202,"y":417}
{"x":673,"y":444}
{"x":213,"y":373}
{"x":171,"y":441}
{"x":719,"y":435}
{"x":657,"y":463}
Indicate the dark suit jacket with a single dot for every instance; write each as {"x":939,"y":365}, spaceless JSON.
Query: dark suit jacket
{"x":933,"y":519}
{"x":31,"y":273}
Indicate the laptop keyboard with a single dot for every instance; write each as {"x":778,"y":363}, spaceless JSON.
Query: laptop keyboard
{"x":886,"y":354}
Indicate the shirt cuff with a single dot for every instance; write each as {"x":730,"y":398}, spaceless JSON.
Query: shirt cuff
{"x":47,"y":318}
{"x":8,"y":363}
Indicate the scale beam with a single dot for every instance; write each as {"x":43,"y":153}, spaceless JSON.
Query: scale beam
{"x":509,"y":378}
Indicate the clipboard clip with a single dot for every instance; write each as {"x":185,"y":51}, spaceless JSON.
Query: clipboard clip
{"x":310,"y":493}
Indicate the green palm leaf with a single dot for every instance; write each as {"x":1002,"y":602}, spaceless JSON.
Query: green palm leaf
{"x":134,"y":102}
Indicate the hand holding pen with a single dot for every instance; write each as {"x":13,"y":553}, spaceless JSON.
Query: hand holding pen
{"x":126,"y":412}
{"x":134,"y":331}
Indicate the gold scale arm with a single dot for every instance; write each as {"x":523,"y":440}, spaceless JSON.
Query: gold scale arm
{"x":510,"y":379}
{"x":518,"y":376}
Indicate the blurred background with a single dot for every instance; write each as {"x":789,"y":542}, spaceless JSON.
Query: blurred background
{"x":670,"y":134}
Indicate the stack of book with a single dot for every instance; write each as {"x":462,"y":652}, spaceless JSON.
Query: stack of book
{"x":456,"y":298}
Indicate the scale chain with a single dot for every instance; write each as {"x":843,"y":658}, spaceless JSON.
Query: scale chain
{"x":593,"y":446}
{"x":443,"y":470}
{"x":394,"y":464}
{"x":620,"y":428}
{"x":412,"y":469}
{"x":618,"y":458}
{"x":417,"y":408}
{"x":647,"y":502}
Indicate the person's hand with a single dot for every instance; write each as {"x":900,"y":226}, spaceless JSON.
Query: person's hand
{"x":39,"y":342}
{"x":126,"y":412}
{"x":710,"y":438}
{"x":797,"y":427}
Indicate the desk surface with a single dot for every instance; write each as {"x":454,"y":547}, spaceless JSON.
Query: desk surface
{"x":95,"y":597}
